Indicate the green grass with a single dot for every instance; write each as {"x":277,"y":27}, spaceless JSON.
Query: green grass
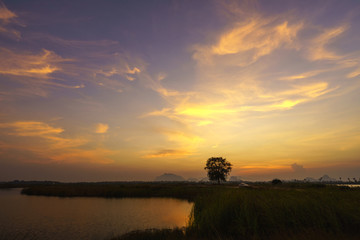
{"x":301,"y":211}
{"x":284,"y":213}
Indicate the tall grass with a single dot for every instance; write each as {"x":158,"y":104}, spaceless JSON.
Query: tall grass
{"x":282,"y":212}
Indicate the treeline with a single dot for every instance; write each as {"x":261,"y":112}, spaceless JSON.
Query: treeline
{"x":22,"y":183}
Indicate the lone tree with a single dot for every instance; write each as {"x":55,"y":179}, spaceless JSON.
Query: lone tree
{"x":218,"y":169}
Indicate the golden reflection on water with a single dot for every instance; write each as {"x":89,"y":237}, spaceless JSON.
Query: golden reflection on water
{"x":85,"y":218}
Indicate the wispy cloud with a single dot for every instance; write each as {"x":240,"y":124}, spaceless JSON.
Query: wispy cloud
{"x":33,"y":129}
{"x":167,"y":153}
{"x":43,"y":131}
{"x":250,"y":40}
{"x":304,"y":75}
{"x":6,"y":18}
{"x":95,"y":156}
{"x":35,"y":71}
{"x":6,"y":14}
{"x":354,"y":73}
{"x":318,"y":47}
{"x":50,"y":144}
{"x":121,"y":70}
{"x":40,"y":65}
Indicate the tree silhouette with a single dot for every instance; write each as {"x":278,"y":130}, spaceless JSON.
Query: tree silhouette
{"x":218,"y":169}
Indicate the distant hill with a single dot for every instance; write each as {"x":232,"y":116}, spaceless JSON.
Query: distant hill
{"x":326,"y":178}
{"x":169,"y":177}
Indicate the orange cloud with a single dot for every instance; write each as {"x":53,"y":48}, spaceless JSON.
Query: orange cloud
{"x":96,"y":155}
{"x":257,"y":169}
{"x":354,"y":73}
{"x":101,"y":128}
{"x":29,"y":65}
{"x":6,"y":14}
{"x":167,"y":153}
{"x":6,"y":17}
{"x":48,"y":143}
{"x":31,"y":129}
{"x":318,"y":50}
{"x":304,"y":75}
{"x":122,"y":70}
{"x":252,"y":38}
{"x":43,"y":131}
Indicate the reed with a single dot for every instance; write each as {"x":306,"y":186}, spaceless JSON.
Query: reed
{"x":284,"y":212}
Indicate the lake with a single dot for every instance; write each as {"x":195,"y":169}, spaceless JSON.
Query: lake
{"x":43,"y":218}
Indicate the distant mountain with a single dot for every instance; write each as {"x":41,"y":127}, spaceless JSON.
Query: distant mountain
{"x":169,"y":177}
{"x":326,"y":178}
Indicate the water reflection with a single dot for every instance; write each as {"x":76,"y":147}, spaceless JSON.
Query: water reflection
{"x":348,"y":185}
{"x":36,"y":217}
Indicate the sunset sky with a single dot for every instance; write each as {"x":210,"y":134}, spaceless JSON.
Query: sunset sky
{"x":128,"y":90}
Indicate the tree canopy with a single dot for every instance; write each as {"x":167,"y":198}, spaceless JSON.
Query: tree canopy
{"x":218,"y":169}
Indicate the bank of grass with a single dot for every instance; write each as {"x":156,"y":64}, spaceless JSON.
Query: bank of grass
{"x":187,"y":191}
{"x":266,"y":212}
{"x":270,"y":212}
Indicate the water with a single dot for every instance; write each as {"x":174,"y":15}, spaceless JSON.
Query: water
{"x":348,"y":185}
{"x":43,"y":218}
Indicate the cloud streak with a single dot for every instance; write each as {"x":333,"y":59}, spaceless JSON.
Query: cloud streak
{"x":249,"y":40}
{"x":172,"y":153}
{"x":6,"y":18}
{"x":318,"y":47}
{"x":49,"y":143}
{"x":39,"y":66}
{"x":31,"y":129}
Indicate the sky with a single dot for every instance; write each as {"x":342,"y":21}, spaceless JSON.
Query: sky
{"x":128,"y":90}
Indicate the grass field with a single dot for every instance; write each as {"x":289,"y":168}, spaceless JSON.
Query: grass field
{"x":291,"y":211}
{"x":277,"y":212}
